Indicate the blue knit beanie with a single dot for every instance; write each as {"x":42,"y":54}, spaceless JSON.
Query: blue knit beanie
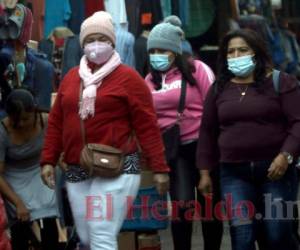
{"x":166,"y":36}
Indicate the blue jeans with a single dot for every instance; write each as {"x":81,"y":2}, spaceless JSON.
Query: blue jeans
{"x":259,"y":209}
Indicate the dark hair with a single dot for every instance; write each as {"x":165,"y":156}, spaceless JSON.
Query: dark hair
{"x":19,"y":101}
{"x":185,"y":67}
{"x":262,"y":57}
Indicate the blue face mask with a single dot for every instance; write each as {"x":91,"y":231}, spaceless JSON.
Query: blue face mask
{"x":160,"y":62}
{"x":241,"y":66}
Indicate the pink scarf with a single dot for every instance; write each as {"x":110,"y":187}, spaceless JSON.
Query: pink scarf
{"x":91,"y":81}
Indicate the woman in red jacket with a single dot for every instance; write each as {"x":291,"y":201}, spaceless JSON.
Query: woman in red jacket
{"x":114,"y":103}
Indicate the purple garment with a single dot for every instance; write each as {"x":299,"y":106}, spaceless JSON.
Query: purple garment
{"x":256,"y":128}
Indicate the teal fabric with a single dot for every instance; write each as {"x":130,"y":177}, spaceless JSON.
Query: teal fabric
{"x":57,"y":13}
{"x":166,"y":7}
{"x":201,"y":16}
{"x":184,"y":7}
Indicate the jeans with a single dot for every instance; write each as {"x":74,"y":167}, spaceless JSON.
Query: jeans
{"x":258,"y":208}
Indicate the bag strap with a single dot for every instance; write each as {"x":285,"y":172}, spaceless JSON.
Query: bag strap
{"x":82,"y":129}
{"x":276,"y":82}
{"x":182,"y":99}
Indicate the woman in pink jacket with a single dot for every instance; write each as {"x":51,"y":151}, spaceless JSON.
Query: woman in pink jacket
{"x":169,"y":69}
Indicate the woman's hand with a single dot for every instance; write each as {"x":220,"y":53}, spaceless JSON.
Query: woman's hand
{"x":22,"y":211}
{"x":162,"y":182}
{"x":63,"y":166}
{"x":205,"y":184}
{"x":47,"y":175}
{"x":278,"y":167}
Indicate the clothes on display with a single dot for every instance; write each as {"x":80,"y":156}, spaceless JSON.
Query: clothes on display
{"x":77,"y":16}
{"x":117,"y":9}
{"x":57,"y":13}
{"x":63,"y":51}
{"x":33,"y":72}
{"x":92,"y":6}
{"x":136,"y":15}
{"x":125,"y":45}
{"x":166,"y":7}
{"x":201,"y":16}
{"x":38,"y":11}
{"x":141,"y":55}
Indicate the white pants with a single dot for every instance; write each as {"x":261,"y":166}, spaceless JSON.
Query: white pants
{"x":99,"y":207}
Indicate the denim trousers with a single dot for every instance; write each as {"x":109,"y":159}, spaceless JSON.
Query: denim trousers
{"x":257,"y":208}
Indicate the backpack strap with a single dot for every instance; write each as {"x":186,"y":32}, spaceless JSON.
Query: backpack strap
{"x":276,"y":82}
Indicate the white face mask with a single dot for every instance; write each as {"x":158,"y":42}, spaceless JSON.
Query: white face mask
{"x":98,"y":52}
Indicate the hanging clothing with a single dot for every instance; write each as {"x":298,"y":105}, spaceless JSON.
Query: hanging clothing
{"x":39,"y":74}
{"x":133,"y":15}
{"x":141,"y":55}
{"x":71,"y":54}
{"x":91,"y":6}
{"x":184,"y":12}
{"x":175,"y":7}
{"x":77,"y":16}
{"x":143,"y":15}
{"x":117,"y":9}
{"x":125,"y":46}
{"x":150,"y":14}
{"x":38,"y":11}
{"x":57,"y":13}
{"x":201,"y":17}
{"x":166,"y":7}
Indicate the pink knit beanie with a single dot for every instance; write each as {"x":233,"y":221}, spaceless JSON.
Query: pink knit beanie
{"x":100,"y":22}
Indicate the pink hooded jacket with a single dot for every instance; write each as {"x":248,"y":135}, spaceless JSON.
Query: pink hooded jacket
{"x":166,"y":99}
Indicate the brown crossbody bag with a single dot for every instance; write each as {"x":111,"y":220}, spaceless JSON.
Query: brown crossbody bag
{"x":99,"y":159}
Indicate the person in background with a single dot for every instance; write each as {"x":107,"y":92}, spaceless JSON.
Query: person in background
{"x":4,"y":240}
{"x":114,"y":103}
{"x":169,"y":67}
{"x":21,"y":66}
{"x":253,"y":133}
{"x":27,"y":199}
